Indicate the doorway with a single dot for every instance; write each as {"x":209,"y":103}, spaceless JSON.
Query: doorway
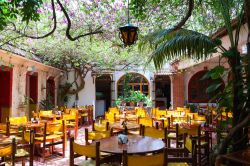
{"x":103,"y":94}
{"x":32,"y":91}
{"x":50,"y":90}
{"x":6,"y":92}
{"x":162,"y":91}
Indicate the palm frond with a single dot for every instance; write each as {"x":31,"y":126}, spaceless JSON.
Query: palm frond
{"x":179,"y":44}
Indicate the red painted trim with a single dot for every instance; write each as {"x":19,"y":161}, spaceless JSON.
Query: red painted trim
{"x":5,"y":70}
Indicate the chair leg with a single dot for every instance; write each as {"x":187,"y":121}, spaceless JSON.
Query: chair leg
{"x":168,"y":142}
{"x":43,"y":153}
{"x":23,"y":162}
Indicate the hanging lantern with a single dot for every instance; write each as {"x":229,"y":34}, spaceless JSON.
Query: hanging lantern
{"x":128,"y":33}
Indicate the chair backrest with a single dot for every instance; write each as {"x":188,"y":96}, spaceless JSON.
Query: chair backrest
{"x":92,"y":151}
{"x":28,"y":136}
{"x":153,"y":111}
{"x":54,"y":128}
{"x":18,"y":120}
{"x":110,"y":117}
{"x":45,"y":112}
{"x":8,"y":150}
{"x":140,"y":112}
{"x":5,"y":128}
{"x":145,"y":121}
{"x":157,"y":159}
{"x":166,"y":123}
{"x":114,"y":110}
{"x":73,"y":111}
{"x":189,"y":148}
{"x":96,"y":135}
{"x":160,"y":113}
{"x":199,"y":117}
{"x":153,"y":132}
{"x":100,"y":127}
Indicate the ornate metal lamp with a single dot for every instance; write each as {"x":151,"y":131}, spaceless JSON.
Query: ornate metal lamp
{"x":128,"y":33}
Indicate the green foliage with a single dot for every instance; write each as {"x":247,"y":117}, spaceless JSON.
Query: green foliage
{"x":148,"y":101}
{"x":137,"y":96}
{"x":26,"y":9}
{"x":168,"y":44}
{"x":63,"y":95}
{"x":118,"y":101}
{"x":46,"y":104}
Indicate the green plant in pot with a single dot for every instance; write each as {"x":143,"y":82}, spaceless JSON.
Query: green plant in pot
{"x":138,"y":97}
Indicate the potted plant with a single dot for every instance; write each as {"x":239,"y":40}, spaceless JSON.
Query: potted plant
{"x":138,"y":97}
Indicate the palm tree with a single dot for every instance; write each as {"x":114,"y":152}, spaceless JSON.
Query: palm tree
{"x":169,"y":44}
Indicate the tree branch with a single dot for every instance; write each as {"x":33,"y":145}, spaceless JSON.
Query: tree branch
{"x":69,"y":26}
{"x":46,"y":35}
{"x":188,"y":14}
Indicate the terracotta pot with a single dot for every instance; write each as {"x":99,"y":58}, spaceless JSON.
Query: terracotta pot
{"x":132,"y":104}
{"x":140,"y":104}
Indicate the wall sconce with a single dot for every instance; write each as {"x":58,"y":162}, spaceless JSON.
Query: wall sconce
{"x":43,"y":87}
{"x":94,"y":77}
{"x":31,"y":69}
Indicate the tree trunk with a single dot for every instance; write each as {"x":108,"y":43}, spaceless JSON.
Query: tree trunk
{"x":237,"y":94}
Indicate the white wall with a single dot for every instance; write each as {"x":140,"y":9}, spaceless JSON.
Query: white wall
{"x":20,"y":70}
{"x":87,"y":94}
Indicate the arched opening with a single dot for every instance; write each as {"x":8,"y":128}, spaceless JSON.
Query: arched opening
{"x":32,"y":91}
{"x":132,"y":82}
{"x":6,"y":92}
{"x":50,"y":90}
{"x":162,"y":91}
{"x":103,"y":94}
{"x":197,"y":88}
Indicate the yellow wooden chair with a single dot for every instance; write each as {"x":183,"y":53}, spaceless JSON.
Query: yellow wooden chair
{"x":153,"y":132}
{"x":100,"y":126}
{"x":198,"y":119}
{"x":15,"y":125}
{"x":160,"y":114}
{"x":25,"y":148}
{"x":110,"y":117}
{"x":5,"y":128}
{"x":91,"y":152}
{"x":146,"y":121}
{"x":175,"y":133}
{"x":140,"y":112}
{"x":97,"y":135}
{"x":166,"y":122}
{"x":53,"y":134}
{"x":71,"y":122}
{"x":157,"y":159}
{"x":184,"y":159}
{"x":7,"y":151}
{"x":45,"y":112}
{"x":114,"y":110}
{"x":153,"y":111}
{"x":18,"y":120}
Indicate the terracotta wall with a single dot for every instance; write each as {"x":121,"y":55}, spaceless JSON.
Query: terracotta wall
{"x":178,"y":90}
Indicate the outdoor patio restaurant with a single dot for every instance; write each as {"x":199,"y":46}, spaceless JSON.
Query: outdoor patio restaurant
{"x":130,"y":83}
